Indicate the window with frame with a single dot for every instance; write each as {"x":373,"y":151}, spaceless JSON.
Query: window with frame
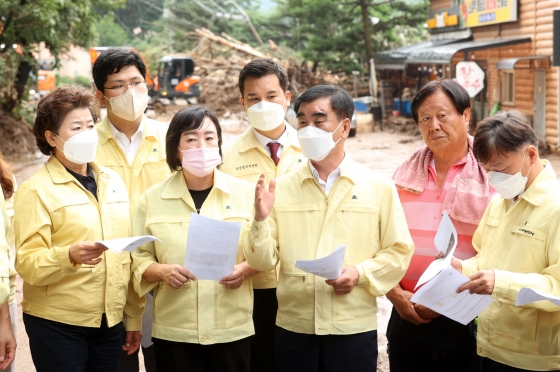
{"x":508,"y":88}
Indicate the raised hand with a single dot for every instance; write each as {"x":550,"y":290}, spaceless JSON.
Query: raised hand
{"x":264,"y":199}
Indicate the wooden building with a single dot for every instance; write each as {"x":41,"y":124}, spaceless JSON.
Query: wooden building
{"x":510,"y":40}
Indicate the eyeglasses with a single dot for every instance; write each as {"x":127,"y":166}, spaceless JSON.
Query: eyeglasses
{"x":139,"y":86}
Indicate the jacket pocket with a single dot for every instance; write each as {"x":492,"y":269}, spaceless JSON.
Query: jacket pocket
{"x":515,"y":328}
{"x":359,"y":231}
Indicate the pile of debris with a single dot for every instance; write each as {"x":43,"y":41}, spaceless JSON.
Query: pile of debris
{"x":219,"y":59}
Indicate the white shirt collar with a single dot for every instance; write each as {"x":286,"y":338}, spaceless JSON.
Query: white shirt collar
{"x":116,"y":132}
{"x":264,"y":140}
{"x":332,"y":177}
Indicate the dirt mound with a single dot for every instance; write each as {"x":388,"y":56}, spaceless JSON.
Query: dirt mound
{"x":16,"y":137}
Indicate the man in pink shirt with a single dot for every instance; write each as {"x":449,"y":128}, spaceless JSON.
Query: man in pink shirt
{"x":442,"y":176}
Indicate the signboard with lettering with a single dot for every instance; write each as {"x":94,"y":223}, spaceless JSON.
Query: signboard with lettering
{"x":486,"y":12}
{"x":470,"y":76}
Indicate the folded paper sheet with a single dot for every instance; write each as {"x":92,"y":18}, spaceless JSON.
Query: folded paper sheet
{"x":445,"y":242}
{"x":528,"y":295}
{"x":329,"y":267}
{"x":127,"y":244}
{"x":440,"y":295}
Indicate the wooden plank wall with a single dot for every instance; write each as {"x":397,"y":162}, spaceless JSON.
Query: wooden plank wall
{"x":535,"y":21}
{"x":437,"y":5}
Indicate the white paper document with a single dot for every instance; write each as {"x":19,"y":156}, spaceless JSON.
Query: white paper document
{"x":445,"y":242}
{"x":211,"y":247}
{"x":440,"y":295}
{"x":528,"y":295}
{"x":329,"y":267}
{"x":127,"y":244}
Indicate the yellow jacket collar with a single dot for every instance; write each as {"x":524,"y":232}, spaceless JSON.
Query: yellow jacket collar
{"x":58,"y":172}
{"x":249,"y":141}
{"x":177,"y":187}
{"x":542,"y":185}
{"x":350,"y":170}
{"x":104,"y":131}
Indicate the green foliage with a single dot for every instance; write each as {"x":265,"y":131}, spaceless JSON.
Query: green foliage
{"x":109,"y":33}
{"x":326,"y":32}
{"x":57,"y":23}
{"x":84,"y":81}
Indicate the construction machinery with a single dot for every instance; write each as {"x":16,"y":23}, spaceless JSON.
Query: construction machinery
{"x":173,"y":82}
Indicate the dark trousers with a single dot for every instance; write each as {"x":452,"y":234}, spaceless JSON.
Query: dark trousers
{"x":67,"y":348}
{"x":442,"y":345}
{"x":185,"y":357}
{"x":130,"y":363}
{"x":328,"y":353}
{"x":264,"y":318}
{"x":489,"y":365}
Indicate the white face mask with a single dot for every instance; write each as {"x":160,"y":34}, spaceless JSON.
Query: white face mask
{"x":129,"y":105}
{"x":201,"y":162}
{"x":81,"y":148}
{"x":316,"y":144}
{"x":509,"y":185}
{"x":266,"y":116}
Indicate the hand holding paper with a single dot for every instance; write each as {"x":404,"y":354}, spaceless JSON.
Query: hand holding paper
{"x":329,"y":267}
{"x":127,"y":244}
{"x":440,"y":295}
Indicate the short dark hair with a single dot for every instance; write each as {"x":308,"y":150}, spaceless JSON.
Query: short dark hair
{"x":53,"y":108}
{"x":260,"y":67}
{"x":452,"y":89}
{"x":189,"y":118}
{"x":112,"y":61}
{"x":507,"y":131}
{"x":341,"y":102}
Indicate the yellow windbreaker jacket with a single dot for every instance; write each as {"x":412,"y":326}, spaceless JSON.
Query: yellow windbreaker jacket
{"x":203,"y":311}
{"x":52,"y":212}
{"x":245,"y":158}
{"x":521,"y":243}
{"x":149,"y":166}
{"x":10,"y":238}
{"x":4,"y":252}
{"x":363,"y":212}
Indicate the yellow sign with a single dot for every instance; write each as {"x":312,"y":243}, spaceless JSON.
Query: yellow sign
{"x":443,"y":20}
{"x":487,"y":12}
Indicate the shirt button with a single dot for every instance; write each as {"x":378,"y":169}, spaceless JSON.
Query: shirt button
{"x":97,"y":321}
{"x":479,"y":349}
{"x":202,"y":339}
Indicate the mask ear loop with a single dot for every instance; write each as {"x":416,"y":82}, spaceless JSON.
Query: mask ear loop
{"x":56,"y":145}
{"x":336,"y":143}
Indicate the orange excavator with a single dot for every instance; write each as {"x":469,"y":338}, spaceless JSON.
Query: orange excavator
{"x":175,"y":79}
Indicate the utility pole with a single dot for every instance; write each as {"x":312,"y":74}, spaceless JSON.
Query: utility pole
{"x":366,"y":20}
{"x":297,"y":31}
{"x":247,"y":20}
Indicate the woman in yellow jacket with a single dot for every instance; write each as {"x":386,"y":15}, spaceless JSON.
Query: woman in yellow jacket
{"x":75,"y":292}
{"x":7,"y":337}
{"x":8,"y":187}
{"x":198,"y":325}
{"x":518,"y":244}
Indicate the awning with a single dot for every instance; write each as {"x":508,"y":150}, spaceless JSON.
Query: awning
{"x":509,"y":63}
{"x":444,"y":54}
{"x":395,"y":59}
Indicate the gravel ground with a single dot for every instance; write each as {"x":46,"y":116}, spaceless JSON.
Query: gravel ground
{"x":382,"y":151}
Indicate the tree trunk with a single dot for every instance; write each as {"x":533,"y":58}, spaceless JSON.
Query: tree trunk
{"x":367,"y":31}
{"x":22,"y":76}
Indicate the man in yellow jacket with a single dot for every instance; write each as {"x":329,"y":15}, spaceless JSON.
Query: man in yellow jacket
{"x":270,"y":147}
{"x":130,"y":144}
{"x":329,"y":324}
{"x":518,"y":246}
